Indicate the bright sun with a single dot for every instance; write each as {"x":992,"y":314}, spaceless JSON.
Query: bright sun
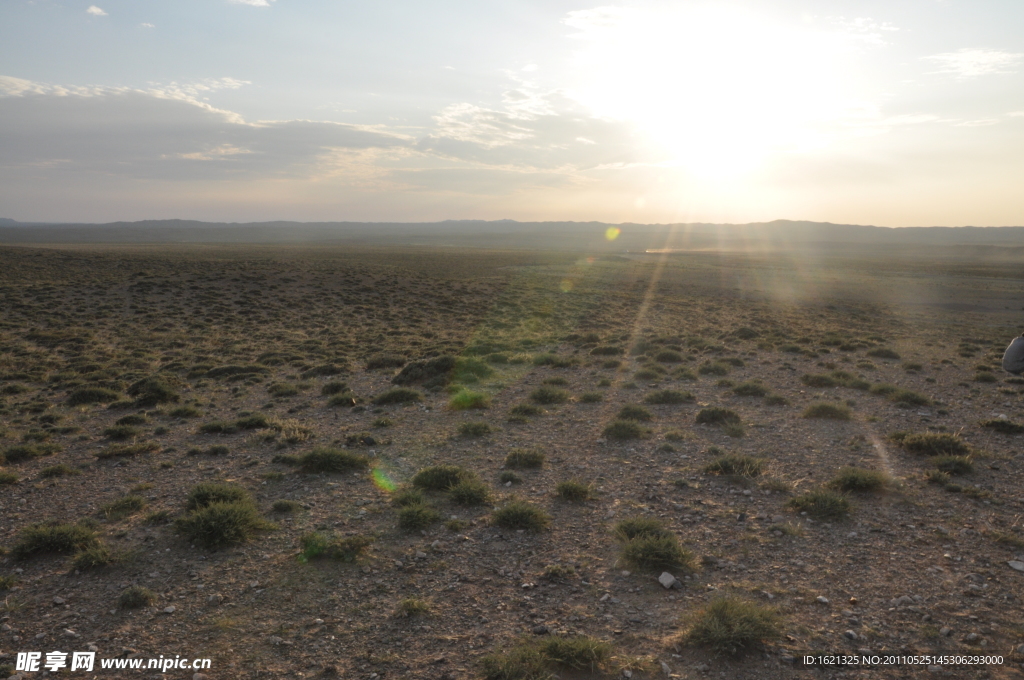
{"x":716,"y":91}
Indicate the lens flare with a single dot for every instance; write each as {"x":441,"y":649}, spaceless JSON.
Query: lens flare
{"x":612,"y":233}
{"x":382,"y":481}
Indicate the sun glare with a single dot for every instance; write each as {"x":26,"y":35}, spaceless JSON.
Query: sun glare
{"x":716,"y":91}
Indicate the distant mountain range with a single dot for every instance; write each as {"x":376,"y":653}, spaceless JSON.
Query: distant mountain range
{"x":779,"y":234}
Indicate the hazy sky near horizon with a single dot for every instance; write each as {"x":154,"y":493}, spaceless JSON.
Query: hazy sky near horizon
{"x":896,"y":114}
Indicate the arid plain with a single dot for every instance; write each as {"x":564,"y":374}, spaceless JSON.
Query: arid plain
{"x":435,"y":462}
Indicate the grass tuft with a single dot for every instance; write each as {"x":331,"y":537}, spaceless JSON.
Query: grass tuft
{"x":822,"y":504}
{"x":524,"y":459}
{"x":332,"y":460}
{"x":824,"y":410}
{"x":549,"y":395}
{"x":574,"y":491}
{"x":730,"y":625}
{"x":860,"y":480}
{"x":316,"y":545}
{"x":135,"y":597}
{"x":61,"y":539}
{"x":439,"y":477}
{"x":736,"y":464}
{"x":519,"y":514}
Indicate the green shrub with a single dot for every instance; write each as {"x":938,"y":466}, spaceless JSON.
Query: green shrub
{"x":776,"y":400}
{"x":638,"y":527}
{"x":316,"y":545}
{"x":135,"y":597}
{"x":657,"y":552}
{"x":7,"y":582}
{"x":985,"y":377}
{"x":730,"y":625}
{"x":910,"y":398}
{"x":591,"y":397}
{"x":417,"y":517}
{"x":750,"y":389}
{"x":556,"y":381}
{"x":410,"y":607}
{"x":507,"y":477}
{"x":821,"y":503}
{"x":439,"y":477}
{"x":62,"y":539}
{"x":185,"y":412}
{"x":218,"y":427}
{"x":669,"y":397}
{"x":8,"y":478}
{"x":582,"y":653}
{"x":221,"y":524}
{"x":812,"y":380}
{"x":478,"y":429}
{"x":954,"y":465}
{"x":549,"y":395}
{"x":285,"y":506}
{"x":208,"y":493}
{"x":123,"y":507}
{"x":828,"y":411}
{"x":333,"y":387}
{"x":282,"y":390}
{"x":521,"y":663}
{"x":132,"y":419}
{"x":668,"y":356}
{"x":434,"y":372}
{"x":407,"y":496}
{"x":343,"y":400}
{"x":24,"y":452}
{"x":397,"y":395}
{"x":606,"y":351}
{"x":383,"y":421}
{"x":526,"y":410}
{"x":518,"y":514}
{"x":932,"y":444}
{"x":62,"y":470}
{"x":684,"y":373}
{"x":624,"y":430}
{"x":647,"y":374}
{"x":1003,"y":426}
{"x":716,"y":415}
{"x":520,"y":459}
{"x":859,"y":479}
{"x":467,"y":399}
{"x":323,"y":459}
{"x":149,"y":392}
{"x":714,"y":368}
{"x":127,"y":450}
{"x":255,"y":421}
{"x":92,"y":395}
{"x":470,"y":492}
{"x":121,"y":432}
{"x":471,"y":370}
{"x":882,"y":353}
{"x":95,"y":557}
{"x":736,"y":464}
{"x":385,"y":361}
{"x":574,"y":491}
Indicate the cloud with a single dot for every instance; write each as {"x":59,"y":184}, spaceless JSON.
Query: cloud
{"x":972,"y":62}
{"x":163,"y":133}
{"x":252,"y":3}
{"x":146,"y":24}
{"x":95,"y":11}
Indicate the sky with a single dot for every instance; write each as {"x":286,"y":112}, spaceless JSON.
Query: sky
{"x":906,"y":113}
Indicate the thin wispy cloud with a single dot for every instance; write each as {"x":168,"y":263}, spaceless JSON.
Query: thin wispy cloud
{"x":252,"y":3}
{"x":973,"y":62}
{"x":95,"y":11}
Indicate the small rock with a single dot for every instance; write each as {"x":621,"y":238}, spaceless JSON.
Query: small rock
{"x":275,"y":640}
{"x":821,"y":599}
{"x":420,"y":555}
{"x":945,"y":631}
{"x":169,"y":610}
{"x":215,"y":599}
{"x":1014,"y":564}
{"x":667,"y":580}
{"x":540,"y":629}
{"x":399,"y":564}
{"x":199,"y":676}
{"x":5,"y":628}
{"x":318,"y":622}
{"x":703,"y":667}
{"x":850,"y":635}
{"x":70,"y":633}
{"x":665,"y":669}
{"x":972,"y":637}
{"x":934,"y":669}
{"x":59,"y":600}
